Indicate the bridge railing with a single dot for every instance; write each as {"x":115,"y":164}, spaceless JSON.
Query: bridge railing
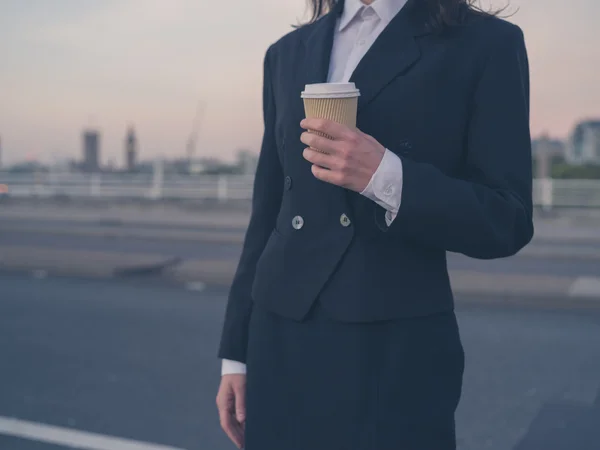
{"x":547,"y":193}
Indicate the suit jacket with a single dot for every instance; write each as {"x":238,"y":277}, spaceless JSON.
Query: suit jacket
{"x":454,"y":106}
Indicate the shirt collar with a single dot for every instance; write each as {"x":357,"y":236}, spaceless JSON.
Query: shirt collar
{"x":385,"y":10}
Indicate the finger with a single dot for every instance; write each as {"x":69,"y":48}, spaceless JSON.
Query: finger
{"x":329,"y":127}
{"x":232,"y":428}
{"x":318,"y":158}
{"x":226,"y":407}
{"x":225,"y":398}
{"x":236,"y":435}
{"x":318,"y":142}
{"x":329,"y":176}
{"x":240,"y":402}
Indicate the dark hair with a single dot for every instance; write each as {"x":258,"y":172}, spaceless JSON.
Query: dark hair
{"x":440,"y":13}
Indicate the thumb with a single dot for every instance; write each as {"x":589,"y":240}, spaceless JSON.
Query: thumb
{"x":240,"y":402}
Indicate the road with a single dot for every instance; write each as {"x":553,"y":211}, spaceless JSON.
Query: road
{"x":137,"y":360}
{"x":557,"y":265}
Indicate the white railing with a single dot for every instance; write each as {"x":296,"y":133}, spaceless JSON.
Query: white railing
{"x":135,"y":186}
{"x":547,"y":193}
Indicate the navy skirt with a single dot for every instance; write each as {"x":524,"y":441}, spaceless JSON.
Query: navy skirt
{"x":326,"y":385}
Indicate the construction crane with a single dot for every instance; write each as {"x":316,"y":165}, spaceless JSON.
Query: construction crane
{"x":192,"y":140}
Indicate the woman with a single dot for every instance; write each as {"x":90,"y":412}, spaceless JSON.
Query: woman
{"x":341,"y":310}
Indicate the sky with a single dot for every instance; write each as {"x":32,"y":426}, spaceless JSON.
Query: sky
{"x":108,"y":64}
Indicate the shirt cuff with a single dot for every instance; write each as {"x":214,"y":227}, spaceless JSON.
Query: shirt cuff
{"x":229,"y":367}
{"x":385,"y":186}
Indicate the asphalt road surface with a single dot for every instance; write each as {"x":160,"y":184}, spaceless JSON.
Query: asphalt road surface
{"x":194,"y":249}
{"x":136,"y":360}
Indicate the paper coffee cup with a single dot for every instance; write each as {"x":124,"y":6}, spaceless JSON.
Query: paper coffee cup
{"x":334,"y":101}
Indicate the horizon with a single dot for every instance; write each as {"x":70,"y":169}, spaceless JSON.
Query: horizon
{"x":109,"y":64}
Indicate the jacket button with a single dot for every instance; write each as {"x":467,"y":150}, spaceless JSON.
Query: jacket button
{"x":344,"y":220}
{"x":297,"y":222}
{"x":405,"y":147}
{"x":288,"y":183}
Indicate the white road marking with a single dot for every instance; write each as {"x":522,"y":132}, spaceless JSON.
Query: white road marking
{"x":196,"y":286}
{"x":585,"y":287}
{"x":71,"y":438}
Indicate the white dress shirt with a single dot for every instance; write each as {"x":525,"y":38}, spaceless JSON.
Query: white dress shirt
{"x":357,"y":29}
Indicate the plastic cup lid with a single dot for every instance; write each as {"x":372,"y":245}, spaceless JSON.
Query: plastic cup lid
{"x":330,"y":90}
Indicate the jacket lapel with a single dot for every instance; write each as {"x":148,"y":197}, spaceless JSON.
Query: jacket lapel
{"x":393,"y":53}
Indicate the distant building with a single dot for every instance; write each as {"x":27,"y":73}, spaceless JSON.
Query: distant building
{"x":548,"y":146}
{"x":247,"y":162}
{"x":196,"y":166}
{"x":545,"y":151}
{"x":28,"y":167}
{"x":584,"y":143}
{"x":91,"y":151}
{"x":130,"y":150}
{"x":209,"y":165}
{"x":110,"y":166}
{"x":180,"y":166}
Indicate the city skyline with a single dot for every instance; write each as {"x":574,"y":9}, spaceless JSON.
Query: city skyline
{"x":107,"y":64}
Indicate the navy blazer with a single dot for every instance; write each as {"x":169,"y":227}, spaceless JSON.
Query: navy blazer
{"x":454,"y":106}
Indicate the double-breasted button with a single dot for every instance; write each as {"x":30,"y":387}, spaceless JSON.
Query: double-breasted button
{"x":297,"y":222}
{"x":405,"y":147}
{"x":288,"y":183}
{"x":344,"y":220}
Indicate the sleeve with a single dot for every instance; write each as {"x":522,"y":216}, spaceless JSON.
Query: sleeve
{"x":488,"y":212}
{"x":229,"y":367}
{"x":266,"y":201}
{"x":385,"y":186}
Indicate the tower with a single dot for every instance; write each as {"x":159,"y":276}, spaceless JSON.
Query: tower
{"x":91,"y":151}
{"x":130,"y":150}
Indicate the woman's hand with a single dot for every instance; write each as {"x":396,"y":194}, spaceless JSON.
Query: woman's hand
{"x":231,"y":402}
{"x":349,"y":159}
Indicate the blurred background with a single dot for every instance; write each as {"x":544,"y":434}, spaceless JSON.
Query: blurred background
{"x":129,"y":135}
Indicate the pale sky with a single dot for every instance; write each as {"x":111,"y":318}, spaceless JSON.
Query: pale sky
{"x":67,"y":64}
